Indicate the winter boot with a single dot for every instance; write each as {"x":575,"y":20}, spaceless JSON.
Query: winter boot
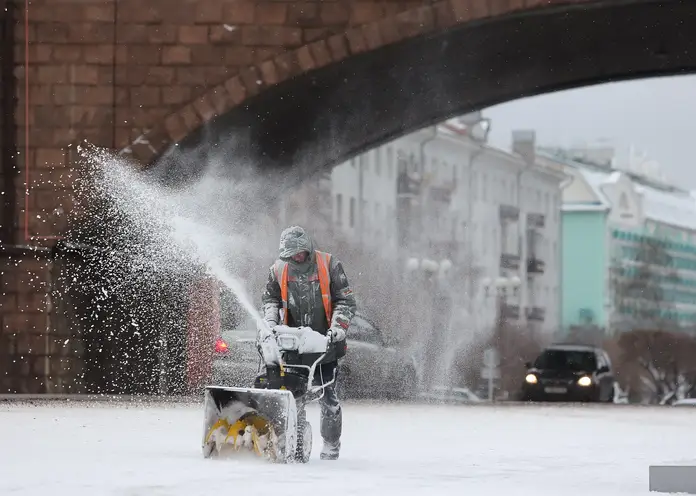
{"x":330,"y":450}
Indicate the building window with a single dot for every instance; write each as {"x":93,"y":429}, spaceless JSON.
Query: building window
{"x":390,"y":161}
{"x":339,"y":209}
{"x":378,"y":161}
{"x":352,"y":212}
{"x":504,"y":236}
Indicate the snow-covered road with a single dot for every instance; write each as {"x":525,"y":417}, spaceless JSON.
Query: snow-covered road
{"x":387,"y":449}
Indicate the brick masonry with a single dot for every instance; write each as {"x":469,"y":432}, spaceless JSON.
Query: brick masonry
{"x":138,"y":75}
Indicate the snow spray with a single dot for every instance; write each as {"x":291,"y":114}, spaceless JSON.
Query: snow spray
{"x":172,"y":231}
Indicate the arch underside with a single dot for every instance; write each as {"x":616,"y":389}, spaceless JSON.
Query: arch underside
{"x":327,"y":116}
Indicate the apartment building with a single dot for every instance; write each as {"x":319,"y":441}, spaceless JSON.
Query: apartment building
{"x":622,"y":226}
{"x":441,"y":195}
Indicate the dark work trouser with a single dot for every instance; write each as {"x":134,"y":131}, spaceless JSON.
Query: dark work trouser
{"x":331,"y":413}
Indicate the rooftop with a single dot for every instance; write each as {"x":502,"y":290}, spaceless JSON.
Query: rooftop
{"x":661,"y":202}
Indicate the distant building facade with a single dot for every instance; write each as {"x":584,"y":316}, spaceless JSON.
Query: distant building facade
{"x":629,"y":249}
{"x":442,"y":196}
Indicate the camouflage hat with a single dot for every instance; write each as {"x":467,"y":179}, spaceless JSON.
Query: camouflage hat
{"x":294,"y":240}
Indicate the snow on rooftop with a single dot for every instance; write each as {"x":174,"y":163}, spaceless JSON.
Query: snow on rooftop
{"x":613,"y":177}
{"x":676,"y":208}
{"x":596,"y":180}
{"x":454,"y":127}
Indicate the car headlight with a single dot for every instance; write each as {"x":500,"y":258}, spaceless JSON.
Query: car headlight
{"x":531,"y":379}
{"x":584,"y":381}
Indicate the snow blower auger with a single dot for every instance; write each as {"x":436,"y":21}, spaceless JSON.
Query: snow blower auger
{"x":269,"y":420}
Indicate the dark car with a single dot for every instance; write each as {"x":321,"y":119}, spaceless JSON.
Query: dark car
{"x":374,"y":369}
{"x":370,"y":369}
{"x":569,"y":373}
{"x":236,"y":360}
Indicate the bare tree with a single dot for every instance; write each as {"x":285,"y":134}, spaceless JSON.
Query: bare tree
{"x":516,"y":345}
{"x":659,"y":366}
{"x":638,"y":286}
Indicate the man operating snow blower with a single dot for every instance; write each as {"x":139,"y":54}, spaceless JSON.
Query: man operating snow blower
{"x":307,"y":287}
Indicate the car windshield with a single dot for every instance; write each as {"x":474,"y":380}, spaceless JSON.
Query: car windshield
{"x":566,"y":360}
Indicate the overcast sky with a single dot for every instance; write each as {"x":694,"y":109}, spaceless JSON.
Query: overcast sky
{"x":657,"y":116}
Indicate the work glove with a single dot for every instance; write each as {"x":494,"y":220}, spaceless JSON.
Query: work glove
{"x":266,"y":344}
{"x":337,"y":334}
{"x":264,"y":331}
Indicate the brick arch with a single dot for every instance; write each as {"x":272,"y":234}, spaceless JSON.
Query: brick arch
{"x":381,"y":79}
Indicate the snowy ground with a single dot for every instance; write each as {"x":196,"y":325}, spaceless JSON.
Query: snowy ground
{"x":517,"y":450}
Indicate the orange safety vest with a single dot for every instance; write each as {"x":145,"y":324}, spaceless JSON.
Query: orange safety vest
{"x":323,"y":264}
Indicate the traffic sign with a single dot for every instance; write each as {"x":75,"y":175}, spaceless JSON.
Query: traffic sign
{"x":490,"y":373}
{"x":491,"y":358}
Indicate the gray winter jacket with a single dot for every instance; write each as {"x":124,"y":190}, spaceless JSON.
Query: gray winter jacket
{"x":305,"y":307}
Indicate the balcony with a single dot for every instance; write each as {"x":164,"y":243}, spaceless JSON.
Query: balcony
{"x":440,"y":194}
{"x":535,"y":266}
{"x":536,"y":221}
{"x":408,"y":185}
{"x":510,"y":312}
{"x":536,"y":313}
{"x":509,"y":213}
{"x":509,"y":261}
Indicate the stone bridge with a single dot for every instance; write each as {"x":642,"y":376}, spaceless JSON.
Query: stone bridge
{"x":271,"y":82}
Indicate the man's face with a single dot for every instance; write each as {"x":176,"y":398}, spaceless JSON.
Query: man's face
{"x":300,"y":257}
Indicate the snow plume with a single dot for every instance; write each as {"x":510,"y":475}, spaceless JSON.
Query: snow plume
{"x":142,"y":245}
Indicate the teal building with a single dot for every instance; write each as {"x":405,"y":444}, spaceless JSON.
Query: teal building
{"x":628,"y":249}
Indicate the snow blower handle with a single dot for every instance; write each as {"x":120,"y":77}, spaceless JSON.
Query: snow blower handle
{"x":303,"y":340}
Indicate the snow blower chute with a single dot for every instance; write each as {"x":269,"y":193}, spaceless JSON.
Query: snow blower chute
{"x":269,"y":420}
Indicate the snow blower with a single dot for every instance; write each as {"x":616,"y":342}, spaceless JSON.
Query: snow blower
{"x":269,"y":420}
